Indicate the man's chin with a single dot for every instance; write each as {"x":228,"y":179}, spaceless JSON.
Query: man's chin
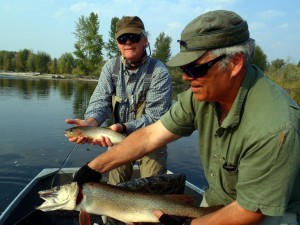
{"x":199,"y":97}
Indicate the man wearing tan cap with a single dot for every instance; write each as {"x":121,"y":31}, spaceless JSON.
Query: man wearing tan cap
{"x":137,"y":90}
{"x":248,"y":128}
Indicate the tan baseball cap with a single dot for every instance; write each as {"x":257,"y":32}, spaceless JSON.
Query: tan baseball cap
{"x":212,"y":30}
{"x":129,"y":24}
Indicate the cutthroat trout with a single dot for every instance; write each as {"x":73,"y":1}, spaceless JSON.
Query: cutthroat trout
{"x":116,"y":202}
{"x":94,"y":132}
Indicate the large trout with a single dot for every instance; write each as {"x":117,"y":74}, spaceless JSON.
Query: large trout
{"x":94,"y":132}
{"x":116,"y":202}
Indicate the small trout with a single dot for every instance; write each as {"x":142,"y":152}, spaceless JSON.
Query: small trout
{"x":116,"y":202}
{"x":94,"y":132}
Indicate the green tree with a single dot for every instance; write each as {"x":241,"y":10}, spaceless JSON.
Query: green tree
{"x":162,"y":49}
{"x":89,"y":45}
{"x":53,"y":68}
{"x":21,"y":58}
{"x":8,"y":61}
{"x":30,"y":64}
{"x":42,"y":62}
{"x":260,"y":58}
{"x":1,"y":59}
{"x":66,"y":63}
{"x":284,"y":73}
{"x":112,"y":46}
{"x":278,"y":63}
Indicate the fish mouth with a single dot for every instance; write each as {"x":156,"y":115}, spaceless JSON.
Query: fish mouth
{"x":47,"y":194}
{"x":63,"y":197}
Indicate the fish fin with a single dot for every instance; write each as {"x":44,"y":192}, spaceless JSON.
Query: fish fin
{"x":84,"y":218}
{"x":188,"y":199}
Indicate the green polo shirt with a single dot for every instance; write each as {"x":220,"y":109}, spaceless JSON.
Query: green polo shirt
{"x":254,"y":156}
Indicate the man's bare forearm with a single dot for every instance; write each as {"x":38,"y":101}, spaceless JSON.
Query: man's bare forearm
{"x":136,"y":145}
{"x":232,"y":214}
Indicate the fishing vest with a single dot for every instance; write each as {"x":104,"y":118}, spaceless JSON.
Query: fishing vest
{"x":139,"y":109}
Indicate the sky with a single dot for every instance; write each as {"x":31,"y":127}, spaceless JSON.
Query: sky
{"x":49,"y":25}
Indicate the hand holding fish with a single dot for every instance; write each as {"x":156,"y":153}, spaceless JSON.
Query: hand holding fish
{"x":87,"y":131}
{"x":95,"y":135}
{"x":90,"y":122}
{"x":86,"y":174}
{"x":106,"y":141}
{"x":171,"y":220}
{"x":83,"y":123}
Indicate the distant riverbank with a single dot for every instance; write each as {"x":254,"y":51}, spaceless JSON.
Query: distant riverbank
{"x":181,"y":86}
{"x":48,"y":76}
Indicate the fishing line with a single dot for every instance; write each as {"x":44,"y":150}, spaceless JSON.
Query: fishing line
{"x":64,"y":162}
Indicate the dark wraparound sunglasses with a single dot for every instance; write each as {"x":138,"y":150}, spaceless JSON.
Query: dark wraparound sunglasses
{"x":201,"y":70}
{"x":134,"y":38}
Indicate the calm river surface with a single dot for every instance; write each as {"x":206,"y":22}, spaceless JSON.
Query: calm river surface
{"x":32,"y":114}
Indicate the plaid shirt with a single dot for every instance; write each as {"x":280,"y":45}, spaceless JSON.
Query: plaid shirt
{"x":130,"y":85}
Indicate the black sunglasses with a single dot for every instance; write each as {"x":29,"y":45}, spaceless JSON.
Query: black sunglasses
{"x":134,"y":38}
{"x":201,"y":70}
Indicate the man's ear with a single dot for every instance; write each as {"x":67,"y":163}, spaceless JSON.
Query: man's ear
{"x":237,"y":64}
{"x":145,"y":42}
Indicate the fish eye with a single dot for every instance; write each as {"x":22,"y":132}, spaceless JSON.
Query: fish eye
{"x":56,"y":188}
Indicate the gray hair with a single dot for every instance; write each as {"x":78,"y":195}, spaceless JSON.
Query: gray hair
{"x":247,"y":49}
{"x":145,"y":33}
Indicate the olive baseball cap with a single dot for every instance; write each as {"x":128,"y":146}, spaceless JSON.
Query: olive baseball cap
{"x":212,"y":30}
{"x":129,"y":24}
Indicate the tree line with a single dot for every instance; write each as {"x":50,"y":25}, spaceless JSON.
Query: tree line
{"x":88,"y":56}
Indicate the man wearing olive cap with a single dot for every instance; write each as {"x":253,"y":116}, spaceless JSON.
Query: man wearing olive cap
{"x":248,"y":128}
{"x":137,"y":90}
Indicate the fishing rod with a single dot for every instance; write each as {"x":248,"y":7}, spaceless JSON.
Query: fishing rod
{"x":61,"y":166}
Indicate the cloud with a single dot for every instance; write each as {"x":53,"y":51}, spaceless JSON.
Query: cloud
{"x":59,"y":13}
{"x":257,"y":26}
{"x":84,"y":7}
{"x":78,"y":7}
{"x":270,"y":14}
{"x":284,"y":26}
{"x":174,"y":25}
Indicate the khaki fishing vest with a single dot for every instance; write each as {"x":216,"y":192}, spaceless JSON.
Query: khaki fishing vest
{"x":141,"y":104}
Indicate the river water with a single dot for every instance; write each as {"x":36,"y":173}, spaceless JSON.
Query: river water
{"x":32,"y":114}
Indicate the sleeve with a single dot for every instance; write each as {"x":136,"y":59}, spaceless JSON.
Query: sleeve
{"x":158,"y":99}
{"x":100,"y":105}
{"x":180,"y":119}
{"x":267,"y":173}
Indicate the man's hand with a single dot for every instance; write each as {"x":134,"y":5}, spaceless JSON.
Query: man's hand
{"x":86,"y":174}
{"x":79,"y":122}
{"x":86,"y":123}
{"x":171,"y":220}
{"x":105,"y":141}
{"x":101,"y":141}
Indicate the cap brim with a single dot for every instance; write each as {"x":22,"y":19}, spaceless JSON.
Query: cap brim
{"x":129,"y":30}
{"x":184,"y":58}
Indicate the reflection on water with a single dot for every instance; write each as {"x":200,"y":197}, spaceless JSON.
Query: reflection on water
{"x":42,"y":89}
{"x":32,"y":114}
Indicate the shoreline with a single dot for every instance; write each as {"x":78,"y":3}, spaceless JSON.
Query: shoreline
{"x":48,"y":76}
{"x":64,"y":77}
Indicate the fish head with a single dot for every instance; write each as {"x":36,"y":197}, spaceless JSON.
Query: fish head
{"x":73,"y":132}
{"x":60,"y":197}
